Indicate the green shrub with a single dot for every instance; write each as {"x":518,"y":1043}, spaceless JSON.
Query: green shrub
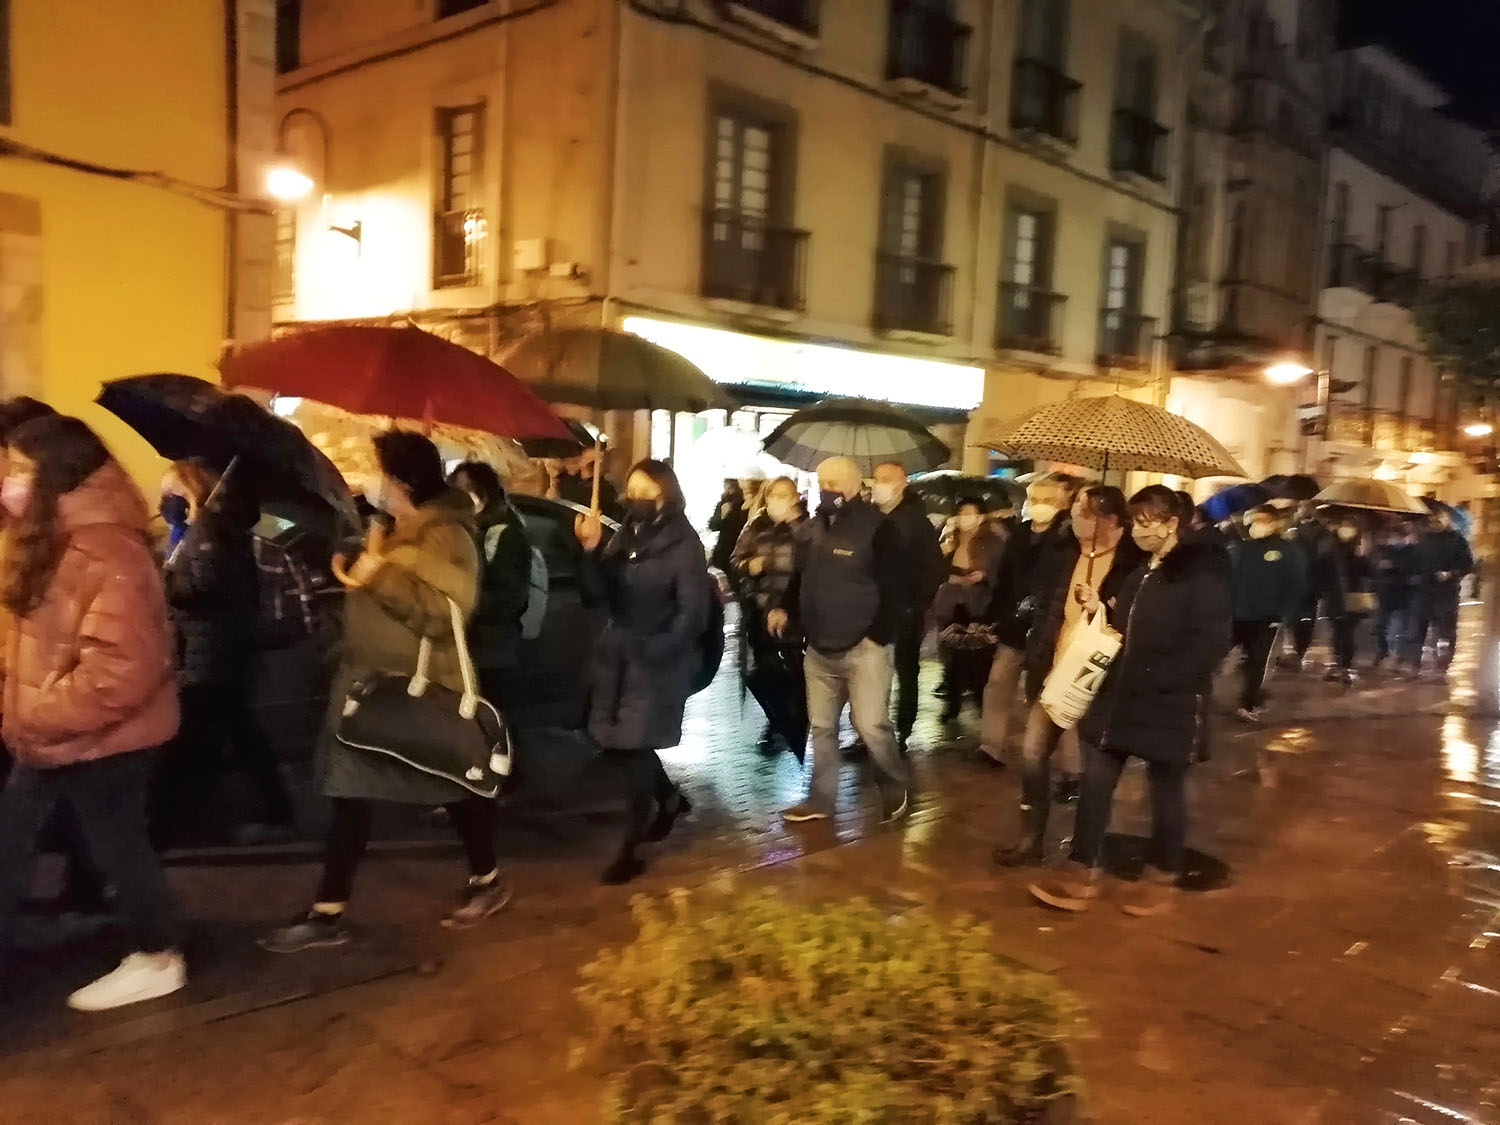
{"x":751,"y":1010}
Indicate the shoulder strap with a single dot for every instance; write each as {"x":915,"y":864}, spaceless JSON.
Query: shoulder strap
{"x":469,"y":705}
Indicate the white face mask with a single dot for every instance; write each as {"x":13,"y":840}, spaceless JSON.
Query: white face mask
{"x":884,"y":495}
{"x":1348,"y":534}
{"x":1042,"y":513}
{"x":1261,"y":530}
{"x":778,"y":509}
{"x":968,"y":521}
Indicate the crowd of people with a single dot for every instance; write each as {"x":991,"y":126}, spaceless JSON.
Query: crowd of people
{"x":129,"y":643}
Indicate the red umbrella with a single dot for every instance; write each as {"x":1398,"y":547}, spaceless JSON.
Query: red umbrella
{"x":398,"y":372}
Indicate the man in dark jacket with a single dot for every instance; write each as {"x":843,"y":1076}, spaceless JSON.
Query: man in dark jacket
{"x":1268,"y":580}
{"x":926,"y":570}
{"x":1098,"y":556}
{"x":1047,"y":502}
{"x":850,"y":590}
{"x":504,"y":577}
{"x":1397,"y":575}
{"x":1443,"y":559}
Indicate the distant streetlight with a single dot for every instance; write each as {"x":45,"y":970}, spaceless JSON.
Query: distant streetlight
{"x":1287,"y":372}
{"x":1479,"y":429}
{"x":288,"y":183}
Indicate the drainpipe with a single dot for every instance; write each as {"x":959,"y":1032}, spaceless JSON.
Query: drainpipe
{"x":980,"y":182}
{"x":230,"y":326}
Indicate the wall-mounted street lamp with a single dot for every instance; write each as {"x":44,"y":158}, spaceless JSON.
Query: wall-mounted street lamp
{"x":288,"y":182}
{"x":1288,"y":371}
{"x":1479,"y":429}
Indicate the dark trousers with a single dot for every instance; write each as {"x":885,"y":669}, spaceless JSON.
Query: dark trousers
{"x":1302,"y":633}
{"x":648,"y":787}
{"x":219,"y":733}
{"x":107,"y":798}
{"x":1256,"y":640}
{"x":1392,"y":624}
{"x":1435,"y":611}
{"x":966,"y":671}
{"x":778,"y":682}
{"x":1345,"y":628}
{"x":349,"y":836}
{"x":1101,"y":774}
{"x":908,"y":669}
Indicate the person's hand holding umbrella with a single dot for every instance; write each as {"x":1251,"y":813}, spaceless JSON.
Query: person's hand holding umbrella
{"x":370,"y":561}
{"x":589,"y":529}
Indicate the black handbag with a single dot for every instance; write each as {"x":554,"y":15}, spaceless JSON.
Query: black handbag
{"x":431,"y":728}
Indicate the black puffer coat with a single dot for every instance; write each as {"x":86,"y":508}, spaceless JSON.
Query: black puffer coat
{"x":1176,"y":623}
{"x":654,"y":581}
{"x":212,"y":591}
{"x":1012,"y":608}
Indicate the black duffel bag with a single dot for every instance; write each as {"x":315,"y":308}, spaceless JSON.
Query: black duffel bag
{"x":460,"y":737}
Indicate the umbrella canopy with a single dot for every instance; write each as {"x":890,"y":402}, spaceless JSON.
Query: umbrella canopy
{"x":581,"y":437}
{"x":396,"y":373}
{"x":611,"y":370}
{"x":1113,"y":432}
{"x":1298,"y":486}
{"x":870,"y":433}
{"x":942,"y":489}
{"x":1370,"y":496}
{"x":1234,"y":500}
{"x":183,"y":416}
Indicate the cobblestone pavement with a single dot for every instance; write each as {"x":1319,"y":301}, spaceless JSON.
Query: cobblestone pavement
{"x":1345,"y":969}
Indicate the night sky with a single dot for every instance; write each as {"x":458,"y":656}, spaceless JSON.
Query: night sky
{"x":1456,"y":42}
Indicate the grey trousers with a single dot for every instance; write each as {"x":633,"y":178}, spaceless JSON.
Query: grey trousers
{"x":1001,"y":699}
{"x":861,"y":676}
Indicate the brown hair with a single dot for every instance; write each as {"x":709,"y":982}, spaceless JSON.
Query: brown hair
{"x":197,"y":477}
{"x":1158,"y":503}
{"x":1105,"y":500}
{"x":665,"y":479}
{"x":66,"y":453}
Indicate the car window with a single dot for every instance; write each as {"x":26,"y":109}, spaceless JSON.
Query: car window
{"x":549,"y":528}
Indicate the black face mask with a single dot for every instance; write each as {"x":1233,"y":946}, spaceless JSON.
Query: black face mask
{"x":640,"y":511}
{"x":174,"y":509}
{"x":829,"y":502}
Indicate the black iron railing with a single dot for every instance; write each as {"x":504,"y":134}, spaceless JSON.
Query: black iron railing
{"x":1030,"y":319}
{"x":1044,"y":100}
{"x":799,"y":15}
{"x":1395,"y":285}
{"x":1351,"y":267}
{"x":457,"y":243}
{"x":928,"y":46}
{"x":913,"y":295}
{"x":1138,"y":145}
{"x":747,"y":259}
{"x":1125,"y":338}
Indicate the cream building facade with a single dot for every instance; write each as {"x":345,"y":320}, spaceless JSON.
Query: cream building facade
{"x":967,"y":207}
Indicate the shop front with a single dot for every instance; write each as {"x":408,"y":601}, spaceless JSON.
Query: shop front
{"x":771,"y":379}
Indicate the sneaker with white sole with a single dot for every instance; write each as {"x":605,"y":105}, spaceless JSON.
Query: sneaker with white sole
{"x":140,"y":977}
{"x":804,"y":811}
{"x":478,"y":902}
{"x":894,"y":807}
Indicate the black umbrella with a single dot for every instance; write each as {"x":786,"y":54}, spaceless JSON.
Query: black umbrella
{"x":867,"y":432}
{"x":183,"y":416}
{"x":942,"y":489}
{"x":1298,"y":486}
{"x":583,"y":438}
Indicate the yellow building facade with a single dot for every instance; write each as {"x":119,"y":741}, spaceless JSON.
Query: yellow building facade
{"x":103,"y":276}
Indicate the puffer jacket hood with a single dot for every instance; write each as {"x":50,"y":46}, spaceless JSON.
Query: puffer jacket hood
{"x":88,"y":672}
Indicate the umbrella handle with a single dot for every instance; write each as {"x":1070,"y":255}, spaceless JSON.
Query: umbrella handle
{"x":598,"y":470}
{"x":219,"y":484}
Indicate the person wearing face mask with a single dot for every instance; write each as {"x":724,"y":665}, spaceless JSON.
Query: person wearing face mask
{"x":1174,"y":615}
{"x":400,"y":590}
{"x":504,"y":577}
{"x":1044,"y":523}
{"x":1090,"y":565}
{"x":1343,"y":575}
{"x":213,"y":590}
{"x":965,"y":639}
{"x":728,"y":520}
{"x":653,"y":581}
{"x":1443,"y":560}
{"x":1396,"y":576}
{"x":925,"y":568}
{"x":1267,"y":577}
{"x":850,"y":593}
{"x":764,"y":561}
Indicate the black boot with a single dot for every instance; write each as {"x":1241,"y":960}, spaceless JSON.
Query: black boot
{"x":1030,"y":849}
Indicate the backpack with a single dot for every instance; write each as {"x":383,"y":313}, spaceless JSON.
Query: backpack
{"x":538,"y":582}
{"x":711,"y":640}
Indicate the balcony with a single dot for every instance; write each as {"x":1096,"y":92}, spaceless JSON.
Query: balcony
{"x":1396,"y":286}
{"x":792,"y":21}
{"x":746,"y":259}
{"x":457,"y":242}
{"x":1138,"y":146}
{"x":1044,"y":100}
{"x":1350,"y":425}
{"x":1125,"y":338}
{"x":1351,"y":267}
{"x":929,"y":48}
{"x":1030,"y":319}
{"x":913,"y":295}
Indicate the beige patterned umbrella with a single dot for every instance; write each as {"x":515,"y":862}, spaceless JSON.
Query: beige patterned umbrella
{"x":1112,"y":432}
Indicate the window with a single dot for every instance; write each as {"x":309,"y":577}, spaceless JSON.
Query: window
{"x":913,"y":287}
{"x":928,"y":45}
{"x":446,"y":8}
{"x":749,"y":252}
{"x":288,"y":35}
{"x":1419,"y":249}
{"x":1123,"y":331}
{"x":1330,"y":352}
{"x":1199,"y":243}
{"x":458,"y":220}
{"x":1340,"y":220}
{"x":284,"y":257}
{"x":1029,"y":310}
{"x":1235,"y":264}
{"x":1044,"y":31}
{"x":1043,"y":97}
{"x":1137,"y":143}
{"x":1382,"y":231}
{"x":4,"y":62}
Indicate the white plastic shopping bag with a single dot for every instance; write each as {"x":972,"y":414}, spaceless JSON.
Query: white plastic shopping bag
{"x":1076,"y":677}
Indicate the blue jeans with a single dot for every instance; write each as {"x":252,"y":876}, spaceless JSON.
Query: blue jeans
{"x":861,"y":676}
{"x":1101,"y":773}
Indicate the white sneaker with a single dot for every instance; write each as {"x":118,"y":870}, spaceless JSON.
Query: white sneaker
{"x":141,"y":976}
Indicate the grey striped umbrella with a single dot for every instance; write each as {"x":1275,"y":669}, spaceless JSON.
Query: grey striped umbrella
{"x":1114,"y":432}
{"x":870,"y":433}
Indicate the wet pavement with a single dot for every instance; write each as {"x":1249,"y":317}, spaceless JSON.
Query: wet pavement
{"x":1345,"y":969}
